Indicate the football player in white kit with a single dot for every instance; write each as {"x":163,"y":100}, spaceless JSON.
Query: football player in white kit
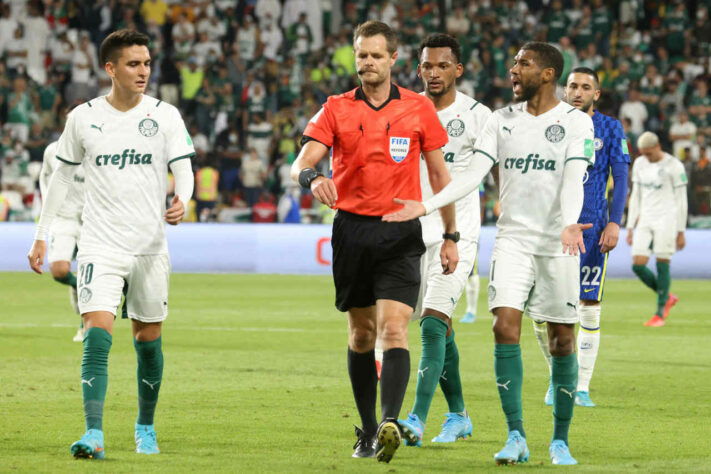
{"x":64,"y":233}
{"x":657,"y":216}
{"x":126,"y":141}
{"x":463,"y":118}
{"x":543,"y":147}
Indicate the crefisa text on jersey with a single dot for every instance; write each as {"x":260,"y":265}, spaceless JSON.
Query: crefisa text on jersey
{"x":532,"y":161}
{"x":120,"y":160}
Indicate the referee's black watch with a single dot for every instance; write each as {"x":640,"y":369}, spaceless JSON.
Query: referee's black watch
{"x":453,"y":237}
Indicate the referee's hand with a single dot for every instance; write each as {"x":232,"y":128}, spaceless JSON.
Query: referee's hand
{"x":449,"y":255}
{"x":410,"y":210}
{"x":324,"y":190}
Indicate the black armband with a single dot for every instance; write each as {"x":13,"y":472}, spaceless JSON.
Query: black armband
{"x":307,"y":175}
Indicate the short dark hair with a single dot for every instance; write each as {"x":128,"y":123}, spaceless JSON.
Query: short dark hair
{"x":111,"y":47}
{"x":589,"y":72}
{"x":547,"y":56}
{"x":372,"y":28}
{"x":441,"y":40}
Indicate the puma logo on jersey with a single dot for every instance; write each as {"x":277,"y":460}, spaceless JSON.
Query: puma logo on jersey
{"x":120,"y":160}
{"x":507,"y":129}
{"x":98,"y":128}
{"x":88,"y":382}
{"x":152,"y":385}
{"x":531,"y":162}
{"x":505,"y":386}
{"x":570,"y":394}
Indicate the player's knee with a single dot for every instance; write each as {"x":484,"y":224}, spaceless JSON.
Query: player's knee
{"x":362,"y":338}
{"x":561,"y":345}
{"x":505,"y":332}
{"x":393,"y":332}
{"x":59,"y":270}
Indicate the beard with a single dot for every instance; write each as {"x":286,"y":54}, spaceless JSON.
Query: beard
{"x":528,"y":91}
{"x":440,"y":92}
{"x":372,"y":79}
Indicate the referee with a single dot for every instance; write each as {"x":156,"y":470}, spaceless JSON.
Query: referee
{"x":377,"y":132}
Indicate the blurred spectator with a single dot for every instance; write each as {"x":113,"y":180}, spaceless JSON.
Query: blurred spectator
{"x":191,"y":75}
{"x":265,"y":210}
{"x":700,"y":181}
{"x":48,"y":99}
{"x":205,"y":109}
{"x":300,"y":38}
{"x":14,"y":170}
{"x":62,"y":51}
{"x":17,"y":52}
{"x":155,"y":11}
{"x":19,"y":110}
{"x":183,"y":34}
{"x":246,"y":40}
{"x":650,"y":87}
{"x":288,"y":209}
{"x":259,"y":137}
{"x":84,"y":63}
{"x":700,"y":107}
{"x":36,"y":28}
{"x":682,"y":134}
{"x":206,"y":186}
{"x":634,"y":109}
{"x":272,"y":39}
{"x":268,"y":12}
{"x":208,"y":50}
{"x":253,"y":174}
{"x":37,"y":142}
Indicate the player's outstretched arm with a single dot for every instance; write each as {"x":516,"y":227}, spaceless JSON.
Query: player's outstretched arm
{"x":303,"y":172}
{"x":56,"y":193}
{"x":461,"y":185}
{"x":611,"y":233}
{"x":184,"y":185}
{"x":571,"y":203}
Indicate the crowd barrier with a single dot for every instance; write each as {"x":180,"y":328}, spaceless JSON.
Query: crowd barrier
{"x":306,"y":249}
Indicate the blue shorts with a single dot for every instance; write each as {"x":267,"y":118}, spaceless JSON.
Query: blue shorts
{"x":593,"y":265}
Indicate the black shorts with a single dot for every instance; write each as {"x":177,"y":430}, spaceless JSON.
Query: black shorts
{"x":375,"y":260}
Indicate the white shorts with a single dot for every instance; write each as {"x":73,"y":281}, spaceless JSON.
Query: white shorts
{"x":442,"y":292}
{"x":545,"y":287}
{"x":101,"y":280}
{"x":63,"y":239}
{"x":660,"y":241}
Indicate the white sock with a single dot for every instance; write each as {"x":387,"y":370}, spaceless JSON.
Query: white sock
{"x":540,"y":328}
{"x":588,"y":344}
{"x":472,"y":288}
{"x":378,"y":351}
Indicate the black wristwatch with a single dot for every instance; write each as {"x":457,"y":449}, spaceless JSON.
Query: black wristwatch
{"x":453,"y":237}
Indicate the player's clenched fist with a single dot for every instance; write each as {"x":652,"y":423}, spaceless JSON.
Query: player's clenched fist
{"x":324,"y":190}
{"x":176,"y":212}
{"x":36,"y":255}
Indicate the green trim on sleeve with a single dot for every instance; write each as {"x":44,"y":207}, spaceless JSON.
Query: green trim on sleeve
{"x":158,"y":103}
{"x":66,"y":161}
{"x":486,"y":154}
{"x":579,"y":158}
{"x":571,"y":110}
{"x":189,"y":155}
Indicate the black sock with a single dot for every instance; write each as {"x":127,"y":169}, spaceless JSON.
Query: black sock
{"x":364,"y":381}
{"x":393,"y":381}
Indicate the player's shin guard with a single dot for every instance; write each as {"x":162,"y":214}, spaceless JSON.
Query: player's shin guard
{"x":364,"y":381}
{"x":565,"y":379}
{"x":663,"y":284}
{"x":393,"y":381}
{"x":449,"y":381}
{"x":588,"y":344}
{"x":433,"y":332}
{"x":508,"y":368}
{"x":540,"y":328}
{"x":95,"y":375}
{"x":472,"y":289}
{"x":646,"y":275}
{"x":149,"y":373}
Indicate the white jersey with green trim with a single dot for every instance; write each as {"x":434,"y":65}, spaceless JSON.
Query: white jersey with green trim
{"x":531,"y":152}
{"x":464,"y":120}
{"x":125,"y":157}
{"x":74,"y":203}
{"x":657,"y":182}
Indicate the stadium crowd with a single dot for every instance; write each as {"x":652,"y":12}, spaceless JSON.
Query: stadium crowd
{"x":248,"y":76}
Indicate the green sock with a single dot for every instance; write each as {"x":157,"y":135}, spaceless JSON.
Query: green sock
{"x":565,"y":380}
{"x":68,"y":279}
{"x":95,"y":375}
{"x":149,"y":375}
{"x":646,"y":275}
{"x":663,"y":284}
{"x":433,"y":332}
{"x":508,"y":368}
{"x":450,"y":382}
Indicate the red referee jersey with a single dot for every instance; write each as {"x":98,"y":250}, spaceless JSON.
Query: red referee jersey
{"x":376,"y":151}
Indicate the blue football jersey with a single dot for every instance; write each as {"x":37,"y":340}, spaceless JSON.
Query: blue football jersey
{"x":610,"y":147}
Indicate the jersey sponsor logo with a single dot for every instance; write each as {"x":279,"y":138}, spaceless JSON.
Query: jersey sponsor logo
{"x":598,"y":143}
{"x":455,"y":128}
{"x":589,"y":149}
{"x":399,"y":147}
{"x":448,"y":157}
{"x":148,"y":127}
{"x":188,"y":139}
{"x":625,"y":149}
{"x":85,"y":295}
{"x":78,"y":179}
{"x":555,"y":133}
{"x":120,"y":160}
{"x":531,"y":162}
{"x":98,"y":128}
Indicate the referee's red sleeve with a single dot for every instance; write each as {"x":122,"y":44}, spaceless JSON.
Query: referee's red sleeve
{"x":433,"y":134}
{"x":319,"y":127}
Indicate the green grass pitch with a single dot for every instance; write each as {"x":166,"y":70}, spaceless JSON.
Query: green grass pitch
{"x":255,"y":381}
